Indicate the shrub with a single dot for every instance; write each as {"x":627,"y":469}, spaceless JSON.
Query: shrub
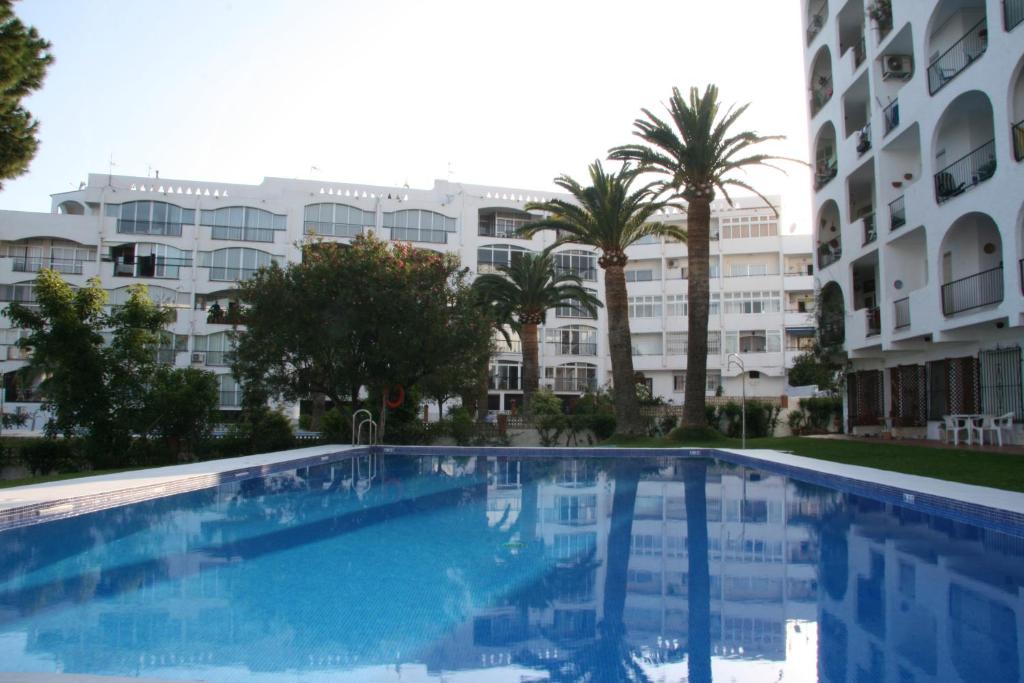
{"x":44,"y":456}
{"x":548,"y":417}
{"x":596,"y":412}
{"x":821,"y":412}
{"x":762,"y":419}
{"x":461,"y":423}
{"x":603,"y":425}
{"x":667,"y":423}
{"x":336,"y":425}
{"x":797,"y":420}
{"x":150,"y":453}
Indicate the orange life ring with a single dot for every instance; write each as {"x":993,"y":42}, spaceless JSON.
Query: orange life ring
{"x":394,"y":402}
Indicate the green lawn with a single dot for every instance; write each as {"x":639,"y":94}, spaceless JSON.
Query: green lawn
{"x":998,"y":470}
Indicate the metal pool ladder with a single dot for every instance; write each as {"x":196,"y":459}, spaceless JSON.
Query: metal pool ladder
{"x":371,"y":430}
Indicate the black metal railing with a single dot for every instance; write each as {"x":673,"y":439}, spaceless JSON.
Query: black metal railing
{"x":974,"y":291}
{"x":958,"y":57}
{"x":901,"y":310}
{"x":870,"y":233}
{"x":815,"y":24}
{"x":864,"y":140}
{"x":973,"y":168}
{"x":1013,"y":13}
{"x":897,"y":213}
{"x":1018,"y":139}
{"x":891,"y":114}
{"x":874,"y":317}
{"x":828,"y":255}
{"x":30,"y":264}
{"x":860,"y":52}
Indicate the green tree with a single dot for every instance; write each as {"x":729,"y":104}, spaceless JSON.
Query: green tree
{"x":180,"y":408}
{"x":24,"y":59}
{"x":91,"y":385}
{"x":522,"y":295}
{"x":610,"y":215}
{"x":697,"y":152}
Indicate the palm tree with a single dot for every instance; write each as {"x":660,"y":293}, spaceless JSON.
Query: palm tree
{"x":696,"y":152}
{"x":521,"y":296}
{"x":609,"y":215}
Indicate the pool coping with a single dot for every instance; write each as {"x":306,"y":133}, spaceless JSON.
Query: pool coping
{"x":37,"y":503}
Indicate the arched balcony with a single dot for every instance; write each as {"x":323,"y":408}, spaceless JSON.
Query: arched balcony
{"x":831,"y":315}
{"x":1017,"y":113}
{"x":71,"y":207}
{"x":830,"y":236}
{"x":971,"y":264}
{"x":817,"y":14}
{"x":821,"y":80}
{"x":826,"y":161}
{"x":957,"y":37}
{"x":964,"y":148}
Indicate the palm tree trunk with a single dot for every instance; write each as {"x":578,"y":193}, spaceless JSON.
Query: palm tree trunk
{"x":620,"y":347}
{"x":699,"y":584}
{"x":698,"y":225}
{"x":531,"y":363}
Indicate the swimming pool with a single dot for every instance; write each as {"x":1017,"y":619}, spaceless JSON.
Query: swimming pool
{"x":483,"y":567}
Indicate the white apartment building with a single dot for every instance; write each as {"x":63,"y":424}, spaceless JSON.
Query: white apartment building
{"x":191,"y":242}
{"x":917,"y":131}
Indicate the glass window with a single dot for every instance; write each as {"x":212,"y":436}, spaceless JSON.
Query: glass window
{"x":574,"y":309}
{"x":582,"y":264}
{"x":640,"y":275}
{"x":336,"y":220}
{"x":235,"y":263}
{"x":679,"y":382}
{"x":500,"y":224}
{"x":675,"y":306}
{"x":644,"y":306}
{"x":492,"y":256}
{"x":752,"y":302}
{"x":152,"y":218}
{"x":575,"y":340}
{"x":242,"y":223}
{"x":416,"y":225}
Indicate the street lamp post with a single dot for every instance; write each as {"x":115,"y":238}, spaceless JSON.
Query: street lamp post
{"x":734,"y":358}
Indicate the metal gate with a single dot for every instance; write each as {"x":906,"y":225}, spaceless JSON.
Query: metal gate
{"x":1001,"y":390}
{"x":864,"y":397}
{"x":909,"y":405}
{"x":953,"y":387}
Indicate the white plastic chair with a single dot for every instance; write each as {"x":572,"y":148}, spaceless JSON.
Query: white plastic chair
{"x":995,"y":425}
{"x":953,"y":427}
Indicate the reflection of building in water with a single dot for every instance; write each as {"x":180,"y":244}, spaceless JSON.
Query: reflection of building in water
{"x":915,"y":598}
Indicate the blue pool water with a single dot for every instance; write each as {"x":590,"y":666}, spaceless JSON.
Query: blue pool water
{"x":402,"y":568}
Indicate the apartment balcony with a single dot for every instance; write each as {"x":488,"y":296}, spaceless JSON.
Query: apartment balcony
{"x":958,"y":57}
{"x":870,"y":233}
{"x":901,"y":313}
{"x":897,"y":213}
{"x":864,"y":140}
{"x":974,"y":291}
{"x":1017,"y":131}
{"x":827,"y":255}
{"x":891,"y":116}
{"x":585,"y":274}
{"x":825,"y":174}
{"x":217,"y":359}
{"x":572,"y":348}
{"x":821,"y":94}
{"x":873,"y":317}
{"x":972,"y":169}
{"x":231,"y":399}
{"x":505,"y":383}
{"x":514,"y":347}
{"x":815,"y":22}
{"x":577,"y":385}
{"x":860,"y":52}
{"x":1013,"y":13}
{"x":22,"y":264}
{"x":795,"y":318}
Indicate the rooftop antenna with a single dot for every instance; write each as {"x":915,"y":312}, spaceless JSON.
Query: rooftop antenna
{"x":110,"y":170}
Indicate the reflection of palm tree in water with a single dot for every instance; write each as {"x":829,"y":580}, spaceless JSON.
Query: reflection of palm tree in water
{"x":699,"y":584}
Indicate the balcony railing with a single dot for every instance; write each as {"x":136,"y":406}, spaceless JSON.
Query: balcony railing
{"x":901,"y":310}
{"x":820,"y":94}
{"x":825,"y":173}
{"x":815,"y":24}
{"x":974,"y":291}
{"x":874,"y":316}
{"x":891,"y":114}
{"x":962,"y":54}
{"x":575,"y":384}
{"x":165,"y":356}
{"x":219,"y":358}
{"x":30,"y":264}
{"x":505,"y":383}
{"x":1018,"y":139}
{"x":588,"y":274}
{"x":828,"y":255}
{"x":638,"y":351}
{"x":870,"y":233}
{"x":130,"y":227}
{"x":972,"y":169}
{"x":897,"y":213}
{"x":1013,"y":13}
{"x":860,"y":52}
{"x":864,"y":140}
{"x":574,"y":348}
{"x":231,"y":399}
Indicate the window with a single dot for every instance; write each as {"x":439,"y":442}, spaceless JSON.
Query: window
{"x":639,"y":275}
{"x":644,"y":306}
{"x":336,"y":220}
{"x":416,"y":225}
{"x":575,"y":340}
{"x":573,"y":309}
{"x":242,"y":223}
{"x":573,"y":546}
{"x":675,"y":306}
{"x":753,"y":341}
{"x":573,"y":377}
{"x":502,"y":224}
{"x":582,"y":264}
{"x":677,"y":343}
{"x":168,"y":346}
{"x":739,"y":227}
{"x":149,"y":260}
{"x":646,"y":544}
{"x":31,"y":258}
{"x":151,"y":218}
{"x":713,"y":270}
{"x":161,"y":296}
{"x":218,"y":348}
{"x":748,"y":269}
{"x":752,"y":302}
{"x":490,"y":256}
{"x":575,"y":509}
{"x":234,"y":263}
{"x":505,"y":375}
{"x":713,"y":380}
{"x":679,"y":382}
{"x":22,"y":292}
{"x":230,"y":391}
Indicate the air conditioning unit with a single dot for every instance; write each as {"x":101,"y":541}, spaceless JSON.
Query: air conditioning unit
{"x":897,"y":67}
{"x":198,"y":358}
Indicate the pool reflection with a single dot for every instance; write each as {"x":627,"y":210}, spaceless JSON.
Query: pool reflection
{"x":574,"y":569}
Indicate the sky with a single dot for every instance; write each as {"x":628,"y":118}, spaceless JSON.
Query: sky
{"x":396,"y":92}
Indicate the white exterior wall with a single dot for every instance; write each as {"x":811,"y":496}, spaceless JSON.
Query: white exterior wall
{"x":463,"y":202}
{"x":978,"y":104}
